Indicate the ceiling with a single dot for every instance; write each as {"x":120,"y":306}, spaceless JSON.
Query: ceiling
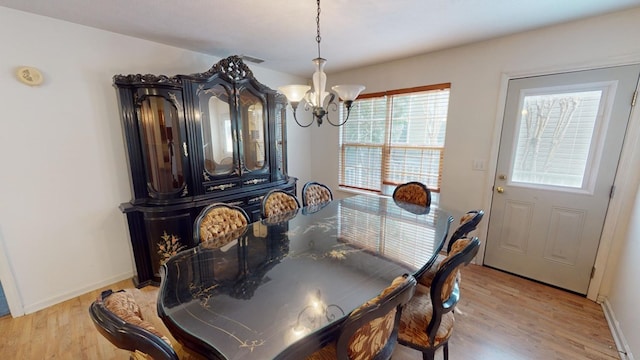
{"x":282,"y":32}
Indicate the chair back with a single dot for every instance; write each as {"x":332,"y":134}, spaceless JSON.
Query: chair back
{"x":277,"y":202}
{"x":219,"y":223}
{"x":414,"y":193}
{"x":371,"y":331}
{"x":314,"y":193}
{"x":468,"y":223}
{"x":118,"y":318}
{"x":444,"y":290}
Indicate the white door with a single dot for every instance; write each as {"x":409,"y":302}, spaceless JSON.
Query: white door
{"x":561,"y":139}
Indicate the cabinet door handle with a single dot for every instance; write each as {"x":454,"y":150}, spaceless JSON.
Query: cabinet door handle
{"x":184,"y":149}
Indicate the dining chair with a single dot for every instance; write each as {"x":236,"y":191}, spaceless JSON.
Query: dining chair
{"x":277,"y":202}
{"x":371,"y":330}
{"x":314,"y":193}
{"x":427,"y":320}
{"x":117,"y":316}
{"x":468,"y":222}
{"x":218,"y":224}
{"x":413,"y":192}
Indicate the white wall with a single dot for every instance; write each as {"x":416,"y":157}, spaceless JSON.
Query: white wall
{"x":64,"y":170}
{"x":478,"y":74}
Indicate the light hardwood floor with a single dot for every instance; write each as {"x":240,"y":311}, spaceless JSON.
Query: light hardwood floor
{"x":500,"y":316}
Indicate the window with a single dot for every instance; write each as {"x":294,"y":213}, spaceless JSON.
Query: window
{"x":556,"y":133}
{"x":395,"y":137}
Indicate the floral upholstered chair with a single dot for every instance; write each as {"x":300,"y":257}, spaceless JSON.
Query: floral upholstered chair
{"x":413,"y":192}
{"x":218,"y":224}
{"x":427,"y":320}
{"x":118,"y":318}
{"x":277,"y":202}
{"x":370,"y":331}
{"x":314,"y":193}
{"x":468,"y":223}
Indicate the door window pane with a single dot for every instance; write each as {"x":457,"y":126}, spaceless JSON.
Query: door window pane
{"x":554,"y":138}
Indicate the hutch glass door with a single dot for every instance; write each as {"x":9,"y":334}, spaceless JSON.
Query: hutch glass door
{"x":252,"y":113}
{"x":163,"y":145}
{"x":218,"y":130}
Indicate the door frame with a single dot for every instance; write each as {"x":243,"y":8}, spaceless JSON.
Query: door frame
{"x":626,"y":178}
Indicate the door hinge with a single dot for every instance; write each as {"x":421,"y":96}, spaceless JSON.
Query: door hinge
{"x":593,"y":271}
{"x":634,"y":98}
{"x":612,"y":191}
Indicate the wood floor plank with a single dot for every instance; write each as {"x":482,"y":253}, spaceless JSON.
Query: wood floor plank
{"x":500,"y":316}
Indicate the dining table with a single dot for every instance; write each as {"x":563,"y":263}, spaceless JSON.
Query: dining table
{"x":281,"y":287}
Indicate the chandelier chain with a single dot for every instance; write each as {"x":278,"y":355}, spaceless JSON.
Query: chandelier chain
{"x":318,"y":38}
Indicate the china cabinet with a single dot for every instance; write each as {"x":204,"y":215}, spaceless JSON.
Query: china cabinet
{"x":191,"y":140}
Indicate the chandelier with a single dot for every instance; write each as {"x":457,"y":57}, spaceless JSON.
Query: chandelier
{"x":315,"y":98}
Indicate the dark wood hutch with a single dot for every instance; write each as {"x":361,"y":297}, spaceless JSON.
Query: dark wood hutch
{"x":192,"y":140}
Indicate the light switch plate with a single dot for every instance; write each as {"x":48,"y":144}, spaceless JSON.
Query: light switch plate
{"x":478,"y":165}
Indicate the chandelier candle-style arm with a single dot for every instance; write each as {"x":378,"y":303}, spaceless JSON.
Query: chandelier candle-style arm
{"x":317,"y":97}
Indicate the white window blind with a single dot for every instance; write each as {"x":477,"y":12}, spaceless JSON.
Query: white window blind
{"x":555,"y":137}
{"x":362,"y":138}
{"x":395,"y":137}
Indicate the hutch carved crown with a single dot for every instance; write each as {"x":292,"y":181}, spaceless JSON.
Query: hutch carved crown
{"x":192,"y":140}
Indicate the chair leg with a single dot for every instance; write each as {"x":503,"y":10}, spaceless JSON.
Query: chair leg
{"x":428,"y":354}
{"x":445,"y":351}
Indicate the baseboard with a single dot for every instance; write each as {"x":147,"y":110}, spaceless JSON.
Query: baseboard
{"x":28,"y":309}
{"x":616,"y":332}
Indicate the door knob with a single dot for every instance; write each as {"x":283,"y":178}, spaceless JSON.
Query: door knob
{"x":500,"y":189}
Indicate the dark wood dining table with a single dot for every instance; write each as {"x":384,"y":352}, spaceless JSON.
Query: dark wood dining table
{"x":281,"y":288}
